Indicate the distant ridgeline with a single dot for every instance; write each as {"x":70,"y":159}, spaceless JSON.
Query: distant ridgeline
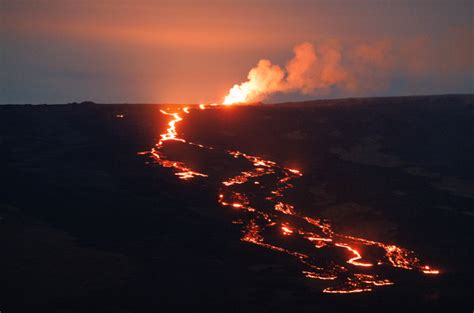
{"x":84,"y":104}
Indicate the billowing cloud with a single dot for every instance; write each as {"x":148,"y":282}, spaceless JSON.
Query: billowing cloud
{"x":357,"y":69}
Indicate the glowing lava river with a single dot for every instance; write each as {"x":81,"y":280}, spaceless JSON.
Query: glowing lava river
{"x":348,"y":264}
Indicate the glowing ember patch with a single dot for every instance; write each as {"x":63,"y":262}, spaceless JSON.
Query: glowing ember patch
{"x":428,"y":270}
{"x":202,"y":106}
{"x":314,"y":275}
{"x":188,"y":174}
{"x":372,"y":280}
{"x":252,"y":233}
{"x":286,"y":230}
{"x":356,"y":290}
{"x":285,"y":208}
{"x":294,"y":171}
{"x":318,"y":239}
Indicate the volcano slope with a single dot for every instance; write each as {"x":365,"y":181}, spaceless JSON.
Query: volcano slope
{"x":90,"y":225}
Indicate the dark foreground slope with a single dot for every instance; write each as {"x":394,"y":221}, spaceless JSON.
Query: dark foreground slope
{"x":87,"y":226}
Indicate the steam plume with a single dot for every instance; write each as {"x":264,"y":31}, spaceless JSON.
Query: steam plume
{"x":310,"y":71}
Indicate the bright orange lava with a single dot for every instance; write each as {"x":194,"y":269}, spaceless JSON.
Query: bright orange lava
{"x":181,"y":170}
{"x":263,"y":207}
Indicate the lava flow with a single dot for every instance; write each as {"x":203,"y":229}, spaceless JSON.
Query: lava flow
{"x":181,"y":170}
{"x":257,"y":195}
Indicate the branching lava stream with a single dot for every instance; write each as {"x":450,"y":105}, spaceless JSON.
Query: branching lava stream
{"x":267,"y":220}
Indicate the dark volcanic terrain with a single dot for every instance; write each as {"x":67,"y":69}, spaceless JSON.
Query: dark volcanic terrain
{"x":89,"y":225}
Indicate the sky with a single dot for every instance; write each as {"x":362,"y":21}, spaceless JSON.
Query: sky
{"x":181,"y":51}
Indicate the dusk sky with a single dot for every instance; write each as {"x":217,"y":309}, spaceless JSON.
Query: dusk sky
{"x":195,"y":51}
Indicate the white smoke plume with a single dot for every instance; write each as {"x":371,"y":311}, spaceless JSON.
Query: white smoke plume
{"x":310,"y":71}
